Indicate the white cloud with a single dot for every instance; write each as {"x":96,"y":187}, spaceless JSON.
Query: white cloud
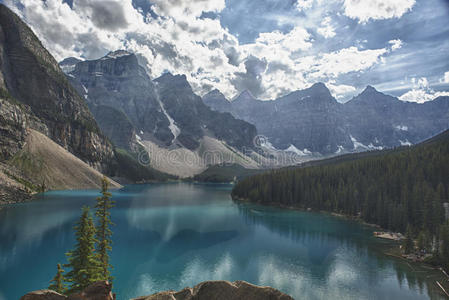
{"x":326,"y":30}
{"x":395,"y":44}
{"x":421,"y":96}
{"x":421,"y":92}
{"x":376,"y":9}
{"x":445,"y":78}
{"x":297,"y":39}
{"x":347,"y":60}
{"x":304,"y":4}
{"x":181,"y":42}
{"x":181,"y":8}
{"x":340,"y":91}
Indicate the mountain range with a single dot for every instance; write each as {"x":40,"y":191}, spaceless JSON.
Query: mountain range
{"x":312,"y":121}
{"x":64,"y":124}
{"x":161,"y":115}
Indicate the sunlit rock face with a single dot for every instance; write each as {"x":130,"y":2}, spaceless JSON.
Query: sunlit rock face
{"x":313,"y":120}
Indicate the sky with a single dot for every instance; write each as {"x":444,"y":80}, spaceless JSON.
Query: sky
{"x":268,"y":47}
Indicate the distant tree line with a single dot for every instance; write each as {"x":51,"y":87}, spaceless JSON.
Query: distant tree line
{"x":402,"y":190}
{"x":88,"y":262}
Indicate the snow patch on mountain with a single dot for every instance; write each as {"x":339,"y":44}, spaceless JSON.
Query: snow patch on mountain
{"x":405,"y":143}
{"x":358,"y":145}
{"x":117,"y":54}
{"x":340,"y":149}
{"x":295,"y":150}
{"x":68,"y":68}
{"x":86,"y":91}
{"x":173,"y":128}
{"x":401,"y":127}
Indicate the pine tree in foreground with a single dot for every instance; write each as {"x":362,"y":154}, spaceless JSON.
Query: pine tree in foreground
{"x":57,"y":283}
{"x":103,"y":232}
{"x":83,"y":260}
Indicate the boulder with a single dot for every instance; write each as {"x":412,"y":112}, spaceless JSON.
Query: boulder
{"x":101,"y":290}
{"x":221,"y":290}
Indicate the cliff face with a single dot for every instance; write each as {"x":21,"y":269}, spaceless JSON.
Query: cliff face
{"x":208,"y":290}
{"x":312,"y":119}
{"x":32,"y":76}
{"x":165,"y":110}
{"x":118,"y":83}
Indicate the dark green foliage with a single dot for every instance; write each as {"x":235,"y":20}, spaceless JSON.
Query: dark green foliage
{"x":103,"y":231}
{"x":394,"y":189}
{"x":444,"y":254}
{"x":408,"y":242}
{"x":225,"y":173}
{"x":403,"y":187}
{"x":129,"y":167}
{"x":27,"y":184}
{"x":83,"y":261}
{"x":57,"y":283}
{"x":424,"y":242}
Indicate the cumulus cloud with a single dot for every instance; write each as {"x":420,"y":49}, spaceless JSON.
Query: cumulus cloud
{"x":175,"y":37}
{"x":395,"y":44}
{"x":445,"y":78}
{"x":326,"y":30}
{"x":304,"y":4}
{"x":107,"y":14}
{"x":181,"y":8}
{"x":421,"y":92}
{"x":339,"y":91}
{"x":376,"y":9}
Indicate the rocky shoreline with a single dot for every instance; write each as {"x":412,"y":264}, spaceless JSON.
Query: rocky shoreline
{"x":207,"y":290}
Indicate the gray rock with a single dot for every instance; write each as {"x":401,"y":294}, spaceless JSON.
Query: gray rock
{"x":221,"y":290}
{"x":312,"y":119}
{"x":101,"y":290}
{"x":32,"y":77}
{"x":154,"y":108}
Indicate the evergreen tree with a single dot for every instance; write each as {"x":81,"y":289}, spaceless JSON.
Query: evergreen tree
{"x":83,"y":261}
{"x":103,"y":231}
{"x":408,"y":242}
{"x":444,"y":255}
{"x":423,"y":242}
{"x":57,"y":283}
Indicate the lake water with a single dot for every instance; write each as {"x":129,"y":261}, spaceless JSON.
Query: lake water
{"x":169,"y":236}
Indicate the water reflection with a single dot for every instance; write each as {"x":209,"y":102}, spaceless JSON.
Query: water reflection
{"x":169,"y":236}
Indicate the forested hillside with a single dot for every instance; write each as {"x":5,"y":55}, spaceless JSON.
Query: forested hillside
{"x":397,"y":190}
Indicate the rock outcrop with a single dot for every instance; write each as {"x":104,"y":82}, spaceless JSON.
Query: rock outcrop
{"x":31,"y":76}
{"x":222,"y":290}
{"x":208,"y":290}
{"x":101,"y":290}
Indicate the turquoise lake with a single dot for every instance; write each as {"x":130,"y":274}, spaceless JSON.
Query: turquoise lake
{"x":169,"y":236}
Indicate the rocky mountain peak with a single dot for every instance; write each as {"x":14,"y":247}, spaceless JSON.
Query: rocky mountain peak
{"x":319,"y":89}
{"x":68,"y":64}
{"x":118,"y":53}
{"x":370,"y":90}
{"x":373,"y":96}
{"x":178,"y":81}
{"x":215,"y":93}
{"x":244,"y":96}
